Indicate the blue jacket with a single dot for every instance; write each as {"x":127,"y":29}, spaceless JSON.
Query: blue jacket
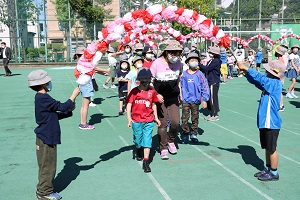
{"x":269,"y":104}
{"x":223,"y":58}
{"x":47,"y":117}
{"x":212,"y":71}
{"x":259,"y":57}
{"x":194,"y":87}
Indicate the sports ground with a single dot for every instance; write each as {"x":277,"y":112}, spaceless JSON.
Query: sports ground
{"x":97,"y":164}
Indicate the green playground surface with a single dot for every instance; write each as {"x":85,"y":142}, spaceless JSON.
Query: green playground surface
{"x":98,"y":164}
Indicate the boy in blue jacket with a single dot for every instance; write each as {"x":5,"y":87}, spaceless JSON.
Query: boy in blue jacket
{"x":47,"y":113}
{"x":194,"y":91}
{"x":268,"y":118}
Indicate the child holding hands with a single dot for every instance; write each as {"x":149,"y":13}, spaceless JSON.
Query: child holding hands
{"x":141,"y":115}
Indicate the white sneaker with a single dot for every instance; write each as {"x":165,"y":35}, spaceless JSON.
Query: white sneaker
{"x":295,"y":96}
{"x":113,"y":86}
{"x":92,"y":104}
{"x":289,"y":95}
{"x":240,"y":76}
{"x":105,"y":86}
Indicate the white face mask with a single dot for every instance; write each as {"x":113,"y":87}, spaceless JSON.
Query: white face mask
{"x":127,"y":50}
{"x":149,"y":56}
{"x":211,"y":55}
{"x":193,"y":64}
{"x":172,"y":59}
{"x":124,"y":66}
{"x":295,"y":51}
{"x":139,"y":65}
{"x":49,"y":86}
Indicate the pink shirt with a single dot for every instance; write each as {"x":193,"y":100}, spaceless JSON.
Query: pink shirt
{"x":163,"y":71}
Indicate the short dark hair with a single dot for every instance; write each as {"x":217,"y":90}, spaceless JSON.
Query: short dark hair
{"x":3,"y":43}
{"x":37,"y":87}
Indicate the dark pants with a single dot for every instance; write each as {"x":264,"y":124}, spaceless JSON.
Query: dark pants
{"x":47,"y":158}
{"x":213,"y":103}
{"x":187,"y":110}
{"x":5,"y":64}
{"x":165,"y":111}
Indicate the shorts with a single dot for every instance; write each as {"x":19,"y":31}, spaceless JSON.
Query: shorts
{"x":291,"y":73}
{"x":224,"y":69}
{"x":87,"y":90}
{"x":122,"y":94}
{"x":112,"y":73}
{"x":268,"y":138}
{"x":142,"y":134}
{"x":258,"y":65}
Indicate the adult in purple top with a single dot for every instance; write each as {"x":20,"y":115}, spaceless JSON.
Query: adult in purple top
{"x":166,"y":71}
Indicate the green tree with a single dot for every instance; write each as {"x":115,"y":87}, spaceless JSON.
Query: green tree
{"x":32,"y":53}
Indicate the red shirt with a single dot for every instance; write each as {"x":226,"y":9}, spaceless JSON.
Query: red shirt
{"x":147,"y":64}
{"x":141,"y":100}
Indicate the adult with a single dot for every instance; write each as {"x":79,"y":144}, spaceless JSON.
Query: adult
{"x":5,"y":52}
{"x":166,"y":71}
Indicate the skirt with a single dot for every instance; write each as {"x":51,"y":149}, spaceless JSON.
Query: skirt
{"x":291,"y":73}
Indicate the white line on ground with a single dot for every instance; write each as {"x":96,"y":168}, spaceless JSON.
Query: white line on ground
{"x":233,"y":174}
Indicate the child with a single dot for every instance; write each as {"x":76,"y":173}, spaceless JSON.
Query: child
{"x":112,"y":62}
{"x":212,"y":72}
{"x":259,"y":57}
{"x":131,"y":76}
{"x":223,"y":59}
{"x":293,"y":70}
{"x":230,"y":63}
{"x":141,"y":115}
{"x":251,"y":59}
{"x":194,"y":90}
{"x":47,"y":113}
{"x":268,"y":118}
{"x":121,"y":74}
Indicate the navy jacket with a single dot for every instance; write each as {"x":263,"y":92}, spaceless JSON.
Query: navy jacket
{"x":47,"y":113}
{"x":212,"y":71}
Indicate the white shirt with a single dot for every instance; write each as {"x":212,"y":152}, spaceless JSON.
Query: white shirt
{"x":4,"y":55}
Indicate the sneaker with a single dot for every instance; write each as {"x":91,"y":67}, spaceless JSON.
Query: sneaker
{"x":281,"y":109}
{"x":185,"y":139}
{"x":295,"y":96}
{"x":121,"y":112}
{"x":230,"y":77}
{"x":194,"y":138}
{"x":289,"y":95}
{"x":240,"y":76}
{"x":92,"y":104}
{"x":139,"y":154}
{"x":164,"y":154}
{"x":146,"y":166}
{"x":52,"y":196}
{"x":113,"y":86}
{"x":86,"y":127}
{"x":223,"y":83}
{"x":213,"y":119}
{"x":105,"y":86}
{"x":172,"y":148}
{"x":269,"y":176}
{"x":207,"y":117}
{"x":261,"y":173}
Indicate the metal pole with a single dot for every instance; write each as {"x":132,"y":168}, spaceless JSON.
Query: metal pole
{"x":18,"y":32}
{"x":282,"y":11}
{"x":259,"y":25}
{"x":45,"y":30}
{"x":70,"y":35}
{"x":94,"y":23}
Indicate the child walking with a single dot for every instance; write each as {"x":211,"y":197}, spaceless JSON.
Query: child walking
{"x":293,"y":70}
{"x":223,"y":70}
{"x":230,"y":63}
{"x":48,"y":112}
{"x":112,"y":62}
{"x":259,"y":58}
{"x":251,"y":59}
{"x":122,"y":87}
{"x":194,"y":90}
{"x":131,"y":76}
{"x":141,"y":115}
{"x":268,"y":118}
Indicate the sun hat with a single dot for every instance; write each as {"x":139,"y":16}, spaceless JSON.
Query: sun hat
{"x":214,"y":50}
{"x":80,"y":50}
{"x":275,"y":67}
{"x":295,"y":46}
{"x":136,"y":59}
{"x":172,"y":45}
{"x":139,"y":46}
{"x":147,"y":49}
{"x":186,"y":50}
{"x":144,"y":73}
{"x":38,"y":77}
{"x":284,"y":45}
{"x":111,"y":50}
{"x":280,"y":50}
{"x":259,"y":48}
{"x":222,"y":50}
{"x":124,"y":58}
{"x":192,"y":55}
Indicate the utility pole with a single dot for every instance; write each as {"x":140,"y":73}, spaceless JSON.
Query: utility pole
{"x":259,"y":25}
{"x":45,"y":30}
{"x":18,"y":32}
{"x":69,"y":49}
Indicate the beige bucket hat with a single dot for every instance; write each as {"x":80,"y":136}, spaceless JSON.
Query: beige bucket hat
{"x":275,"y":67}
{"x":38,"y":77}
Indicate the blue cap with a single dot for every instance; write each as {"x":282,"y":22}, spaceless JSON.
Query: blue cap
{"x":144,"y":73}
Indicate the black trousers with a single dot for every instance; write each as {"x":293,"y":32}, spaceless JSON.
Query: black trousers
{"x":213,"y":103}
{"x":5,"y":64}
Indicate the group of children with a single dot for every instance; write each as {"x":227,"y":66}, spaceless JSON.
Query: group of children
{"x":199,"y":84}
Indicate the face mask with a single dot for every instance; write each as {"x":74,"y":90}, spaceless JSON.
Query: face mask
{"x":193,"y":48}
{"x":127,"y":50}
{"x":139,"y":53}
{"x":172,"y":59}
{"x":49,"y":86}
{"x":124,"y":66}
{"x":139,"y":65}
{"x":193,"y":64}
{"x":295,"y":51}
{"x":145,"y":83}
{"x":149,"y":56}
{"x":211,"y":55}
